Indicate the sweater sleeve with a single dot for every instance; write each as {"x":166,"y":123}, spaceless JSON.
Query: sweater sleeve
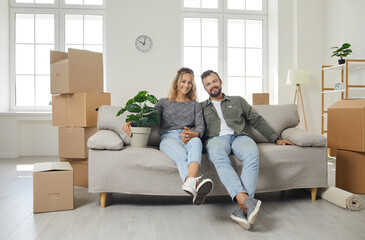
{"x":159,"y":106}
{"x":199,"y":119}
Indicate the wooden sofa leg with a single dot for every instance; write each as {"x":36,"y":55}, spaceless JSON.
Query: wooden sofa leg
{"x":102,"y":199}
{"x":313,"y":193}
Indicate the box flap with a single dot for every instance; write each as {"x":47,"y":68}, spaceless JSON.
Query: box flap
{"x":52,"y":166}
{"x":56,"y":56}
{"x":349,"y":103}
{"x":85,"y":57}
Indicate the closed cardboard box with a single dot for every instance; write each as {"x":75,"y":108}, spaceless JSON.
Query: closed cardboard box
{"x":53,"y":188}
{"x":81,"y":171}
{"x":76,"y":71}
{"x":260,"y":99}
{"x":72,"y":141}
{"x":346,"y":125}
{"x":78,"y":109}
{"x":350,"y":171}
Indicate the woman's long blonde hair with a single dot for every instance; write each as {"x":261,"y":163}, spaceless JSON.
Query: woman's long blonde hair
{"x":174,"y":88}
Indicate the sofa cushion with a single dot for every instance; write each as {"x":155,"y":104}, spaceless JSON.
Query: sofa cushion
{"x":303,"y":138}
{"x":105,"y":139}
{"x":108,"y":120}
{"x":279,"y":117}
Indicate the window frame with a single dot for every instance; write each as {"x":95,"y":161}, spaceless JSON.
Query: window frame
{"x":226,"y":14}
{"x":59,"y":43}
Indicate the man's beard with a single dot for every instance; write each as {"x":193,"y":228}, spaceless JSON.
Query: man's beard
{"x":215,"y":94}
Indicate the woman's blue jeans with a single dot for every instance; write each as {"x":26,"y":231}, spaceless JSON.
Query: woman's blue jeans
{"x":218,"y":150}
{"x":182,"y":154}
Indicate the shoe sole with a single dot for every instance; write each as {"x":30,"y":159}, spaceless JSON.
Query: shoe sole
{"x":253,"y":215}
{"x":203,"y":191}
{"x":245,"y":224}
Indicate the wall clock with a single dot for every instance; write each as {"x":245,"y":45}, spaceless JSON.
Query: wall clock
{"x":143,"y":43}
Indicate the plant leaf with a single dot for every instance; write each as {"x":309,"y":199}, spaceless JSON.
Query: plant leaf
{"x":346,"y":45}
{"x":140,"y":99}
{"x":152,"y":99}
{"x":133,"y":108}
{"x":147,"y":109}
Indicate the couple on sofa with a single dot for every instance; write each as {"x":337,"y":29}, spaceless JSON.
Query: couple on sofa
{"x":220,"y":120}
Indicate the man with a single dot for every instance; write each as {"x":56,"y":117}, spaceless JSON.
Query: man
{"x":225,"y":118}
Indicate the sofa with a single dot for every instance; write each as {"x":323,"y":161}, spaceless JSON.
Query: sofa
{"x":116,"y":167}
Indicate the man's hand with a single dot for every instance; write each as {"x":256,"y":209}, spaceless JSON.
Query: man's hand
{"x":284,"y":142}
{"x":127,"y":128}
{"x":187,"y":134}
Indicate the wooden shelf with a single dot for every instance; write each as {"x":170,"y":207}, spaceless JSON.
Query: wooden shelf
{"x":349,"y":65}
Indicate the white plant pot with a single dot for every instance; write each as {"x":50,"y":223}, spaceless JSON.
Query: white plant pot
{"x":140,"y":136}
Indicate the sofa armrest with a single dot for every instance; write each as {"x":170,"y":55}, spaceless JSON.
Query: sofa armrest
{"x":105,"y":139}
{"x":303,"y":138}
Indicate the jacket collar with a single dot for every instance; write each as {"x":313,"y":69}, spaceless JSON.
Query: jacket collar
{"x":225,"y":98}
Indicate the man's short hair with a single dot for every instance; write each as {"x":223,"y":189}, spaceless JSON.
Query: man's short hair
{"x":207,"y":73}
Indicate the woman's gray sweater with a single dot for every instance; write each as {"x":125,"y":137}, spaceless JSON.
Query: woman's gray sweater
{"x":177,"y":115}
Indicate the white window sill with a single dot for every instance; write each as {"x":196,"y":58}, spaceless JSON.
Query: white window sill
{"x":26,"y":113}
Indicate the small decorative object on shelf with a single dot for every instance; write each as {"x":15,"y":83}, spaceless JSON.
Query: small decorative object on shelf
{"x":339,"y":86}
{"x":342,"y":52}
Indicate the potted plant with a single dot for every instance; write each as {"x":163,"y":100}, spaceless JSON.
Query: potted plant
{"x":142,"y":117}
{"x":342,"y":52}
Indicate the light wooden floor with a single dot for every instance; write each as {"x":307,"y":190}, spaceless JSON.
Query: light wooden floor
{"x":283,"y":215}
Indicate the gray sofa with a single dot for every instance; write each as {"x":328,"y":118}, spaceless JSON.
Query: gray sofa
{"x":115,"y":167}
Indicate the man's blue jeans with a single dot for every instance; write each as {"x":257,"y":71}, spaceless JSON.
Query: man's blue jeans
{"x":245,"y":149}
{"x":182,"y":154}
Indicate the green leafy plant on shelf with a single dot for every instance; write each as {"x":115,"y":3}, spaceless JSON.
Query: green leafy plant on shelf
{"x":342,"y":52}
{"x":141,"y":115}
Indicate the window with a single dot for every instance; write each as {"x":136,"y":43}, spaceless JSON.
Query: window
{"x":39,"y":26}
{"x":229,"y":37}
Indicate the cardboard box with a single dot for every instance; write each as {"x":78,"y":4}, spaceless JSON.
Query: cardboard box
{"x":260,"y":99}
{"x":53,"y":188}
{"x":72,"y":141}
{"x":350,"y":171}
{"x":78,"y":109}
{"x":76,"y":71}
{"x":81,"y":171}
{"x":346,"y":125}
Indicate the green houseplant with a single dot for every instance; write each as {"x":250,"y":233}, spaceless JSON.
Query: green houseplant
{"x":142,"y":117}
{"x":342,"y":52}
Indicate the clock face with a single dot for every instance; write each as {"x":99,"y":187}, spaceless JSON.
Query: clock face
{"x":143,"y":43}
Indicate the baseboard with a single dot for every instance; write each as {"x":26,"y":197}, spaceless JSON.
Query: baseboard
{"x":8,"y":155}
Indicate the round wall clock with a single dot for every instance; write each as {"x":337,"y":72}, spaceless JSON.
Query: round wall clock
{"x":143,"y":43}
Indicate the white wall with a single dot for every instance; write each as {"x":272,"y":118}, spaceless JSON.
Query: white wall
{"x":129,"y":71}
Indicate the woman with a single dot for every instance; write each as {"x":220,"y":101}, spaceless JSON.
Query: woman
{"x":181,"y":127}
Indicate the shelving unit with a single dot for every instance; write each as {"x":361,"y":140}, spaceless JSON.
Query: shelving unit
{"x":349,"y":65}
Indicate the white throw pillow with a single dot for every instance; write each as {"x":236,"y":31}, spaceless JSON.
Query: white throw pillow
{"x":105,"y":139}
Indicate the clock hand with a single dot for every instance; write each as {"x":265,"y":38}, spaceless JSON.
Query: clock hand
{"x":144,"y":40}
{"x":141,"y":42}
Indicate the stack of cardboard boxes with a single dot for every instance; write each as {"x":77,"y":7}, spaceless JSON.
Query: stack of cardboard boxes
{"x":77,"y":88}
{"x":346,"y":135}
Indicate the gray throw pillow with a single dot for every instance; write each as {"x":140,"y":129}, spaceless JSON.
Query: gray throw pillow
{"x":105,"y":139}
{"x":303,"y":138}
{"x":108,"y":120}
{"x":279,"y":117}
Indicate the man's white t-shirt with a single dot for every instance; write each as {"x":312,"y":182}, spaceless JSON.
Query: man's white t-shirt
{"x":225,"y":130}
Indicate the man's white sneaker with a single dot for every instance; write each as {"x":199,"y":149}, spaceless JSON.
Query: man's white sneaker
{"x":189,"y":186}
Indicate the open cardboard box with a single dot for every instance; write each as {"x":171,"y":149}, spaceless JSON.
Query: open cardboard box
{"x":53,"y":188}
{"x":260,"y":99}
{"x":76,"y":71}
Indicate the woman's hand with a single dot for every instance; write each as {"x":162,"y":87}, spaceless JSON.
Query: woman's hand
{"x":127,"y":128}
{"x":187,"y":134}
